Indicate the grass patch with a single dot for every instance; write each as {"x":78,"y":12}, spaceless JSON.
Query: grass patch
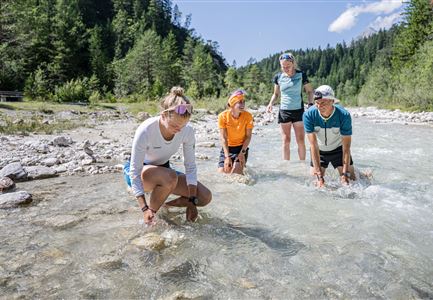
{"x":35,"y":124}
{"x":51,"y":107}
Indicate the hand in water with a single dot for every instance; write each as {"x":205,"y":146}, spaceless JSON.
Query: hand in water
{"x":320,"y":182}
{"x":344,"y":180}
{"x":191,"y":213}
{"x":149,"y":217}
{"x":227,"y":164}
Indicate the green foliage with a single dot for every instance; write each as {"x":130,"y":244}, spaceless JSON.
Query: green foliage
{"x":75,"y":90}
{"x":415,"y":81}
{"x":137,"y":72}
{"x":417,"y":25}
{"x":37,"y":86}
{"x":69,"y":39}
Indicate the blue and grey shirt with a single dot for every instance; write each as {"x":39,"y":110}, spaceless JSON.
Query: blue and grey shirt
{"x":291,"y":89}
{"x":330,"y":130}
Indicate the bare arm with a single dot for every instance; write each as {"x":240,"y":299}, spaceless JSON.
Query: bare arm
{"x":225,"y":145}
{"x":346,"y":141}
{"x":274,"y":97}
{"x":315,"y":155}
{"x":224,"y":141}
{"x":310,"y":93}
{"x":241,"y":155}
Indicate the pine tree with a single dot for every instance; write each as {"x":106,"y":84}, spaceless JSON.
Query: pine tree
{"x":417,"y":25}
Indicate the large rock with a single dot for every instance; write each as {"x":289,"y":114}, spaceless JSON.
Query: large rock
{"x":40,"y":172}
{"x":15,"y":199}
{"x":62,"y":141}
{"x":14,"y":171}
{"x":6,"y":184}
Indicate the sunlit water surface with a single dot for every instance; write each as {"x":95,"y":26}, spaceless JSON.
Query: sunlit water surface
{"x":271,"y":235}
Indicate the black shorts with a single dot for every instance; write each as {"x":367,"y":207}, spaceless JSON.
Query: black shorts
{"x":290,"y":116}
{"x":335,"y":157}
{"x":233,"y":153}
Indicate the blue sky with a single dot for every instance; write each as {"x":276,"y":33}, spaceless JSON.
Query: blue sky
{"x":259,"y":28}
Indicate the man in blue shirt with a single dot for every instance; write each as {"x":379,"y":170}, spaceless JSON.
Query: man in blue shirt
{"x":329,"y":131}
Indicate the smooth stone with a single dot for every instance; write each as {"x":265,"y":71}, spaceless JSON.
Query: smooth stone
{"x":109,"y":262}
{"x":150,"y":241}
{"x":14,"y":171}
{"x":49,"y":162}
{"x":63,"y":221}
{"x":15,"y":199}
{"x":40,"y":172}
{"x":246,"y":284}
{"x":183,"y":295}
{"x":62,"y":141}
{"x":6,"y":184}
{"x":206,"y":144}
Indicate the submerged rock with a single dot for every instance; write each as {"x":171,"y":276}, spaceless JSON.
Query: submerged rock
{"x":62,"y":221}
{"x":15,"y":199}
{"x":246,"y":284}
{"x":109,"y":262}
{"x":184,"y":295}
{"x":151,"y":241}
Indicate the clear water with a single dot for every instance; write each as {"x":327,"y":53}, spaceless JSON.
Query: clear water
{"x":274,"y":237}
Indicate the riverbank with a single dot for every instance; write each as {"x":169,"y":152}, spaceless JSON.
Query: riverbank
{"x":82,"y":235}
{"x":102,"y":143}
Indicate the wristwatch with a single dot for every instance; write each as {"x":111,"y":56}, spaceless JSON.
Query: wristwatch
{"x":244,"y":151}
{"x":193,"y":200}
{"x":346,"y":174}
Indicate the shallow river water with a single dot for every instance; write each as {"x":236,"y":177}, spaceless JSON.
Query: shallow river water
{"x":274,"y":236}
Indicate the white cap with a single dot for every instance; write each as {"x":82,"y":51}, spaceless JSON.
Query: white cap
{"x":326,"y":92}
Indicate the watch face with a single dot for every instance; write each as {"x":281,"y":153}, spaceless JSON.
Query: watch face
{"x":194,"y":200}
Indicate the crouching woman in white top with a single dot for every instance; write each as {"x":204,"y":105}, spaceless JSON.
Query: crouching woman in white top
{"x":155,"y":141}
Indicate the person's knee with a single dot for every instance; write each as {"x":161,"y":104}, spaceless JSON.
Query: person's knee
{"x":286,"y":139}
{"x":205,"y":197}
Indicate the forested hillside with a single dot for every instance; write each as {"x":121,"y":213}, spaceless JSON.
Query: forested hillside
{"x":73,"y":50}
{"x":392,"y":68}
{"x":135,"y":50}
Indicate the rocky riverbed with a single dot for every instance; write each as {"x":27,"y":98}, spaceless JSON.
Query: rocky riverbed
{"x":104,"y":144}
{"x":76,"y":235}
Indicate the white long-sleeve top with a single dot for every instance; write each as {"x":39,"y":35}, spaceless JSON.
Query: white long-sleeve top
{"x":150,"y":147}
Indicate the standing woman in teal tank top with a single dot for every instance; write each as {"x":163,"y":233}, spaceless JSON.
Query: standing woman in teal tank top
{"x":289,"y":85}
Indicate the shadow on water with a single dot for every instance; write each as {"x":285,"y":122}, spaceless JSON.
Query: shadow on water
{"x":230,"y":233}
{"x":283,"y":245}
{"x":188,"y":271}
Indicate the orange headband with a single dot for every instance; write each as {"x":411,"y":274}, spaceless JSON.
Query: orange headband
{"x":235,"y":99}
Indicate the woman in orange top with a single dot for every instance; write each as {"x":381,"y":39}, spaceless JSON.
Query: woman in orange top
{"x":236,"y":126}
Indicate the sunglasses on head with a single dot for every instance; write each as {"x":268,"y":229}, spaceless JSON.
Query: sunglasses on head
{"x":318,"y":95}
{"x":181,"y":109}
{"x":238,"y":93}
{"x":286,"y":57}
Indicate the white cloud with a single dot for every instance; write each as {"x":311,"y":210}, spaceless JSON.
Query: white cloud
{"x":385,"y":22}
{"x":348,"y":18}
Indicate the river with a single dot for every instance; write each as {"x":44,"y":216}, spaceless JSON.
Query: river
{"x":271,"y":236}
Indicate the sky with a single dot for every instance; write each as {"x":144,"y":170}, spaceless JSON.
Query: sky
{"x":256,"y":29}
